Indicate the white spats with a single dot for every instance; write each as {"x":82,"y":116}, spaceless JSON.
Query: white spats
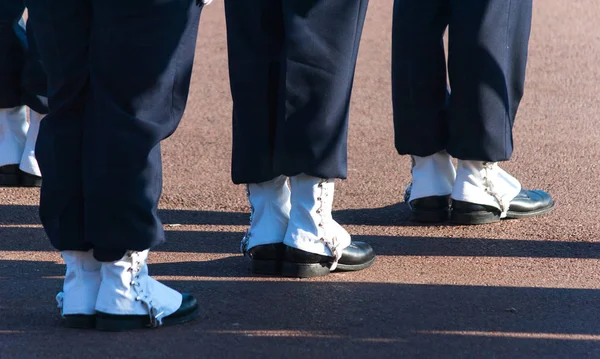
{"x":485,"y":183}
{"x":127,"y":289}
{"x":311,"y":227}
{"x":29,"y":163}
{"x":13,"y":134}
{"x":82,"y":281}
{"x":431,"y":176}
{"x":269,"y":212}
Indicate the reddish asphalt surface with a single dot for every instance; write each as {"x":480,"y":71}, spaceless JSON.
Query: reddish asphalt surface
{"x":515,"y":289}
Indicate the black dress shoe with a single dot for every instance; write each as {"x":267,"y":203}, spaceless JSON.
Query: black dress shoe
{"x":526,"y":204}
{"x":118,"y":323}
{"x":299,"y":263}
{"x":431,"y":209}
{"x":267,"y":258}
{"x":10,"y":176}
{"x":530,"y":203}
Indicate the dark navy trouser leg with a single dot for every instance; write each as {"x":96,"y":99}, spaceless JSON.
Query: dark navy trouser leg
{"x":487,"y":57}
{"x":419,"y":87}
{"x":33,"y":80}
{"x":291,"y":67}
{"x":119,"y":76}
{"x":63,"y":36}
{"x":255,"y":36}
{"x":22,"y":80}
{"x":12,"y":54}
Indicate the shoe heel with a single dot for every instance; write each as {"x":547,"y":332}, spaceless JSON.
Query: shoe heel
{"x":29,"y":180}
{"x":266,"y":267}
{"x":305,"y":270}
{"x":474,"y":218}
{"x":353,"y":267}
{"x":80,"y":321}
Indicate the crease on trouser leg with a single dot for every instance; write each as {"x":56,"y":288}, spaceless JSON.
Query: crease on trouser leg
{"x":312,"y":227}
{"x":485,"y":183}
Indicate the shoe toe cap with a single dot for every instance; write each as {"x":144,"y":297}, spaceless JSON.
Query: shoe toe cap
{"x":531,"y":200}
{"x":357,"y":253}
{"x":189,"y":304}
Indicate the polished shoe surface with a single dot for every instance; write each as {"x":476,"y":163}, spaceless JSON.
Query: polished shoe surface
{"x":116,"y":322}
{"x":431,"y":209}
{"x":186,"y":312}
{"x":10,"y":176}
{"x":267,"y":258}
{"x":357,"y":256}
{"x":530,"y":203}
{"x":299,"y":263}
{"x":527,"y":203}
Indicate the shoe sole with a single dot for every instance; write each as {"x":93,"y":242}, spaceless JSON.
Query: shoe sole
{"x":309,"y":270}
{"x":471,"y":218}
{"x":18,"y":181}
{"x":305,"y":270}
{"x":80,"y":321}
{"x":120,"y":323}
{"x":183,"y":319}
{"x":28,"y":180}
{"x":517,"y":215}
{"x":271,"y":267}
{"x":353,"y":267}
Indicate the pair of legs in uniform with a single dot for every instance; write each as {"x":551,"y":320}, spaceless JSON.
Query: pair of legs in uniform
{"x":470,"y":120}
{"x":291,"y":71}
{"x":22,"y":86}
{"x":118,"y":78}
